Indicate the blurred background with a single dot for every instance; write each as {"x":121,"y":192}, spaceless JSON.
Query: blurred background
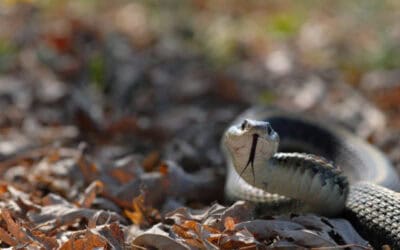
{"x":164,"y":78}
{"x":127,"y":100}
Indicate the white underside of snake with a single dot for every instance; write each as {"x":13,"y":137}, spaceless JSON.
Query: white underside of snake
{"x":339,"y":174}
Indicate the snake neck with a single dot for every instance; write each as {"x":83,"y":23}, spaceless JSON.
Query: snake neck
{"x":308,"y":178}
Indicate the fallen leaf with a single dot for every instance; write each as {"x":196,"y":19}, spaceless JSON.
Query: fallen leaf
{"x":13,"y":227}
{"x":151,"y":161}
{"x":87,"y":241}
{"x":155,"y":237}
{"x":142,"y":215}
{"x":229,"y":223}
{"x":90,"y":194}
{"x":7,"y":238}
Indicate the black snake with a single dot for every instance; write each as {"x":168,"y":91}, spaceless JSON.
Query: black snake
{"x":336,"y":173}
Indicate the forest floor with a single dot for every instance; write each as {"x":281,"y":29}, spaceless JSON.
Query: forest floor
{"x":112,"y":113}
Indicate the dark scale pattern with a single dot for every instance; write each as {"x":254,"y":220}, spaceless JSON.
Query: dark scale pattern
{"x":375,"y":211}
{"x":301,"y":135}
{"x":316,"y":165}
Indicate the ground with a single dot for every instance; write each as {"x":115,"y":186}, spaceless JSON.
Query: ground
{"x":112,"y":112}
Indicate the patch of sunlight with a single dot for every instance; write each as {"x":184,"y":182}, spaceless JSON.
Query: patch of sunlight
{"x":284,"y":25}
{"x":267,"y":97}
{"x":97,"y":70}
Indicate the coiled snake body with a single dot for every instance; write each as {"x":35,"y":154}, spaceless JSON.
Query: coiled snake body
{"x":336,"y":173}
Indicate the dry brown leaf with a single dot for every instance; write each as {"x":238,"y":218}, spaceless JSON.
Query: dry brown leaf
{"x":346,"y":231}
{"x":48,"y":242}
{"x":194,"y":243}
{"x":137,"y":216}
{"x":267,"y":228}
{"x":210,"y":216}
{"x":92,"y":222}
{"x":6,"y":237}
{"x":197,"y":235}
{"x":142,"y":215}
{"x":193,"y":225}
{"x":62,"y":213}
{"x":307,"y":238}
{"x":240,"y":211}
{"x":88,"y":242}
{"x":88,"y":169}
{"x":157,"y":238}
{"x":181,"y":231}
{"x":239,"y":239}
{"x":231,"y":244}
{"x":121,"y":175}
{"x":53,"y":156}
{"x":211,"y":230}
{"x":114,"y":235}
{"x":229,"y":223}
{"x":163,"y":168}
{"x":13,"y":227}
{"x":90,"y":194}
{"x":3,"y":189}
{"x":151,"y":161}
{"x":217,"y":226}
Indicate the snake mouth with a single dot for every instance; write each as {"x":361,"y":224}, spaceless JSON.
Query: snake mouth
{"x":250,"y":161}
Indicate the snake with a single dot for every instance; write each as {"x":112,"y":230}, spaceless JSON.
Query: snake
{"x":289,"y":162}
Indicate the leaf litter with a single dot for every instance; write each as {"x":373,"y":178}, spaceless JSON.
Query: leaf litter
{"x":149,"y":173}
{"x":94,"y":214}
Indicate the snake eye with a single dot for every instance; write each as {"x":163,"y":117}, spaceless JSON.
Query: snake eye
{"x":244,"y":123}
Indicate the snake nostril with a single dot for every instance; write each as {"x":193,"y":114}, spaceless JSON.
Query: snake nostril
{"x":244,"y":124}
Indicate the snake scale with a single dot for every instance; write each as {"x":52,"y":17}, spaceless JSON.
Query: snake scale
{"x":335,"y":173}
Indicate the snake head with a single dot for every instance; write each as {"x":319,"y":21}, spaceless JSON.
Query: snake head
{"x":250,"y":141}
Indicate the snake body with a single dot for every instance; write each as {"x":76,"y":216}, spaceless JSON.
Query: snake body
{"x":334,"y":172}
